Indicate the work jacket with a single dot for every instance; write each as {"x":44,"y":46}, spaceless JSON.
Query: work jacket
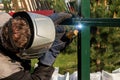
{"x":17,"y":69}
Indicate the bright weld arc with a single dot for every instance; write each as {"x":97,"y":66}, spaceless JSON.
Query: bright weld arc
{"x":79,"y":26}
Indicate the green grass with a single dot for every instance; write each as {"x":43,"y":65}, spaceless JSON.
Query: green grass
{"x":66,"y":63}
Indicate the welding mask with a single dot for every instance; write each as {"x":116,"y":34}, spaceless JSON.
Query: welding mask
{"x":42,"y":35}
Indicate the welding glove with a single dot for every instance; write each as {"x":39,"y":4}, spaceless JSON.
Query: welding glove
{"x":43,"y":71}
{"x":64,"y":37}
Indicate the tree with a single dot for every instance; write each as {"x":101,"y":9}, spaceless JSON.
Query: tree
{"x":6,"y":4}
{"x":105,"y":42}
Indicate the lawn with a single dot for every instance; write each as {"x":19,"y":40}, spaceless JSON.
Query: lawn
{"x":65,"y":62}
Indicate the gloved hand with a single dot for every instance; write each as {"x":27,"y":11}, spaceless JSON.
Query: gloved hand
{"x":71,"y":34}
{"x":44,"y":72}
{"x":63,"y":37}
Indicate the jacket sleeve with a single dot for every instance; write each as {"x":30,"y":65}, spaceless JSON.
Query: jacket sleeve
{"x":60,"y":17}
{"x":40,"y":73}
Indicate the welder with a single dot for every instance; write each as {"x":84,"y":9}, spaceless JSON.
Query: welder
{"x":15,"y":36}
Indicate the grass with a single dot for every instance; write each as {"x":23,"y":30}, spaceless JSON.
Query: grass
{"x":65,"y":62}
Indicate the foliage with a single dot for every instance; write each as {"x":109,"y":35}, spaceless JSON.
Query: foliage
{"x":58,"y":5}
{"x":6,"y":4}
{"x":105,"y":42}
{"x":105,"y":52}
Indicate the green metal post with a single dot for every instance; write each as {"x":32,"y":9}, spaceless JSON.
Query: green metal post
{"x":84,"y":36}
{"x":85,"y":42}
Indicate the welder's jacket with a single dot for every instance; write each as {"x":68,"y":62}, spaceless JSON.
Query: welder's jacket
{"x":11,"y":69}
{"x":8,"y":66}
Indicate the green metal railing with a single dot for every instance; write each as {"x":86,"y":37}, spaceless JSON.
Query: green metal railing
{"x":84,"y":43}
{"x":84,"y":36}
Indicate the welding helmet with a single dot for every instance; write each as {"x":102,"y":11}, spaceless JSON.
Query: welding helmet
{"x":42,"y":32}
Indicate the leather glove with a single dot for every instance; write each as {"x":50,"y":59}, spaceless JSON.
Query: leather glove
{"x":44,"y":72}
{"x":63,"y":37}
